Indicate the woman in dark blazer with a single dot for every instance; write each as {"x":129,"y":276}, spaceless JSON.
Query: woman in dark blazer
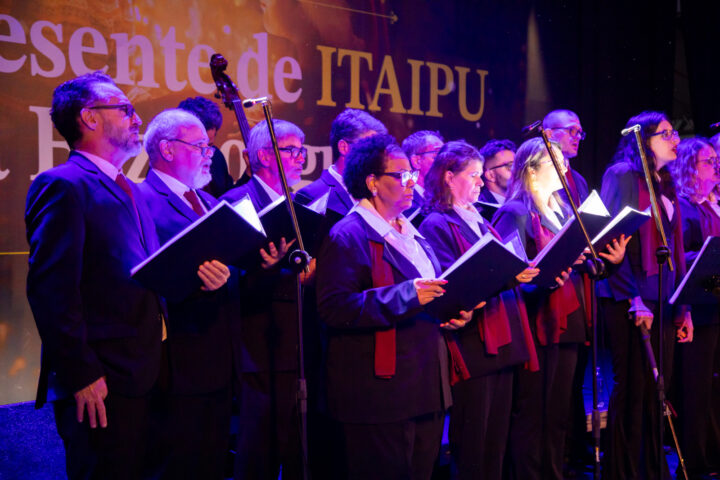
{"x":697,"y":174}
{"x":387,"y":373}
{"x":557,"y":317}
{"x":497,"y":338}
{"x":633,"y":296}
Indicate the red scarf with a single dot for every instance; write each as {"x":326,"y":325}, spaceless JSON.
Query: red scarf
{"x":385,"y":347}
{"x":551,"y":321}
{"x":650,"y":238}
{"x":493,"y":321}
{"x":587,"y":283}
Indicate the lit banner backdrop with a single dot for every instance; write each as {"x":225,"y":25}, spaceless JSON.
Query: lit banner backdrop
{"x":457,"y":67}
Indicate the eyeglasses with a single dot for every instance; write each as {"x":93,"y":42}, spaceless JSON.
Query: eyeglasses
{"x":293,"y":151}
{"x":572,"y":131}
{"x":434,"y":152}
{"x":666,"y":134}
{"x":712,"y":161}
{"x":205,"y":150}
{"x":507,"y":165}
{"x":403,"y":176}
{"x":127,"y":108}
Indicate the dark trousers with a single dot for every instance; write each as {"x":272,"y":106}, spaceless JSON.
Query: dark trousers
{"x":541,"y":401}
{"x":119,"y":451}
{"x":195,"y":435}
{"x":633,"y":414}
{"x":479,"y":425}
{"x":403,"y":450}
{"x":699,"y":433}
{"x":268,"y":435}
{"x":576,"y":442}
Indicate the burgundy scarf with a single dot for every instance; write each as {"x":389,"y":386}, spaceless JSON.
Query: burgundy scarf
{"x":551,"y":321}
{"x":650,"y":238}
{"x":493,"y":320}
{"x":385,"y":348}
{"x":587,"y":283}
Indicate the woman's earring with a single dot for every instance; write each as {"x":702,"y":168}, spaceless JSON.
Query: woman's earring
{"x":374,"y":193}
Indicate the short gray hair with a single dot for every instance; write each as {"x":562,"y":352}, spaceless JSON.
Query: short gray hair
{"x":165,"y":126}
{"x":260,"y":138}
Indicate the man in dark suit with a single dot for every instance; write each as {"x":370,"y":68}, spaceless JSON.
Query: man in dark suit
{"x":266,"y":362}
{"x":195,"y":429}
{"x":87,"y":226}
{"x":421,"y":148}
{"x":348,"y":127}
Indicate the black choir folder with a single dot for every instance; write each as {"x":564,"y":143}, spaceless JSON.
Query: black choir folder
{"x":311,"y":219}
{"x":567,"y":245}
{"x":485,"y":270}
{"x":226,"y":233}
{"x":702,"y":281}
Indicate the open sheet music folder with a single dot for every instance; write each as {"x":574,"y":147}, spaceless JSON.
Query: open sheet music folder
{"x":226,"y":233}
{"x":311,"y":219}
{"x":701,"y":278}
{"x":567,"y":245}
{"x":482,"y":272}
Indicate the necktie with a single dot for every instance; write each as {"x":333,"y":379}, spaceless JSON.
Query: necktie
{"x":123,"y":183}
{"x":192,"y":197}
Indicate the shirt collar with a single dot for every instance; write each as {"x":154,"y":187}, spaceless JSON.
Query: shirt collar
{"x":371,"y":216}
{"x":106,"y":167}
{"x":500,"y":198}
{"x":175,"y":185}
{"x":271,"y":193}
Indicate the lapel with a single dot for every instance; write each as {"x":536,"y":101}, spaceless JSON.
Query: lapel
{"x":258,"y":195}
{"x":465,"y":230}
{"x":146,"y":228}
{"x":337,"y":191}
{"x":173,"y":200}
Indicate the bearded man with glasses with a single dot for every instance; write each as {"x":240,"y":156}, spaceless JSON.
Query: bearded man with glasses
{"x":101,"y":331}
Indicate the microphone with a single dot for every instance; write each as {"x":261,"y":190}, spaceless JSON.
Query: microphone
{"x":634,"y":128}
{"x":527,"y":130}
{"x":249,"y":102}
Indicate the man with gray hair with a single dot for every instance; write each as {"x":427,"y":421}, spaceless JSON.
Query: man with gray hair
{"x":195,"y":424}
{"x":267,"y":364}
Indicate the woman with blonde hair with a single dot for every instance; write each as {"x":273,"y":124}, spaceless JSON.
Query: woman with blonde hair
{"x":557,"y":317}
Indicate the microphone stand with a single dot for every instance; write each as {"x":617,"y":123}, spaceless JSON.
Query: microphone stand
{"x":595,"y":268}
{"x":300,"y":261}
{"x":662,"y":255}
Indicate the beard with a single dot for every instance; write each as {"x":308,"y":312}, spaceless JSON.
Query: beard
{"x":201,"y":179}
{"x":126,"y":140}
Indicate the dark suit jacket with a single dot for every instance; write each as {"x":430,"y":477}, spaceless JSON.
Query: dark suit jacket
{"x":199,"y":342}
{"x":266,"y":339}
{"x":436,"y":229}
{"x":620,"y":188}
{"x":486,"y":196}
{"x":93,"y":319}
{"x":339,"y":200}
{"x":580,"y":184}
{"x":353,"y":311}
{"x":514,"y":215}
{"x":693,"y":239}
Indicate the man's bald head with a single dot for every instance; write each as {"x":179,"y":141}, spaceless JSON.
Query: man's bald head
{"x":563,"y":126}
